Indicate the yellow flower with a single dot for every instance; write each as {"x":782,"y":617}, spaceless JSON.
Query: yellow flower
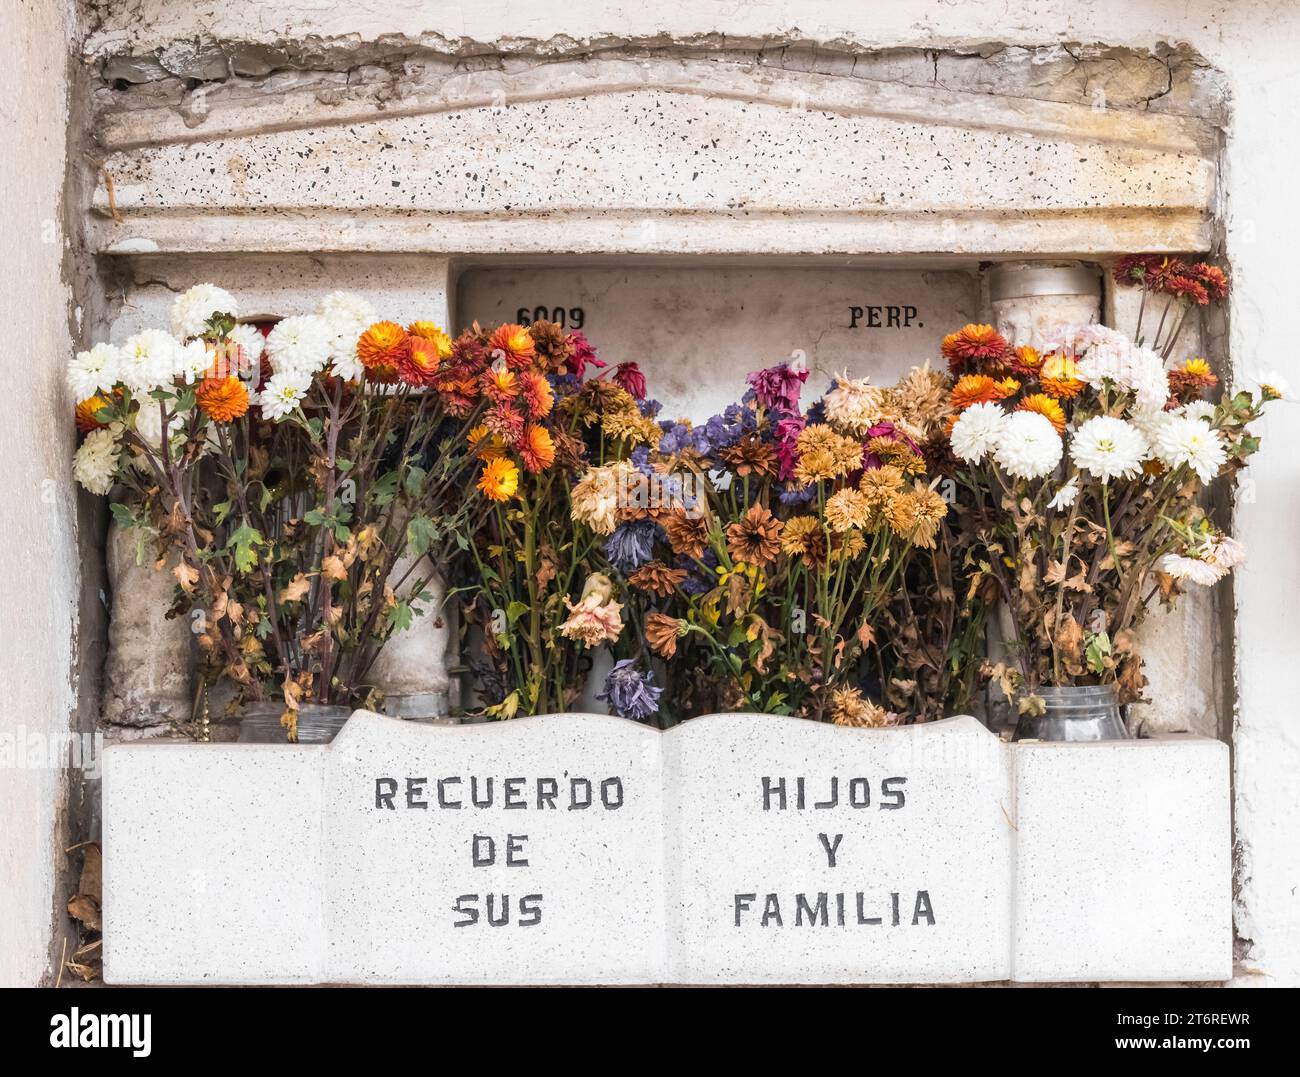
{"x":848,"y":509}
{"x":1047,"y":406}
{"x":500,"y":479}
{"x":485,"y":445}
{"x":1059,"y":377}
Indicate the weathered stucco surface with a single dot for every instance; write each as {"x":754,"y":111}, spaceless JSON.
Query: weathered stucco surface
{"x":39,"y":586}
{"x":319,"y":57}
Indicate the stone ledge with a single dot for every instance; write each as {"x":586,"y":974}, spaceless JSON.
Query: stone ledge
{"x":963,"y":859}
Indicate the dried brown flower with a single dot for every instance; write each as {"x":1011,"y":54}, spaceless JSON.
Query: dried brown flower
{"x":755,"y":539}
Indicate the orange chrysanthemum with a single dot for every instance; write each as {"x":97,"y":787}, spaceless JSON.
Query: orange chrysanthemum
{"x":1023,"y":362}
{"x":381,"y":348}
{"x":485,"y":444}
{"x":222,"y":399}
{"x":974,"y":346}
{"x":515,"y":343}
{"x":979,"y":389}
{"x":1047,"y":406}
{"x":86,"y":421}
{"x":537,"y":394}
{"x":500,"y":479}
{"x":1059,"y":377}
{"x":500,"y":384}
{"x":434,"y":334}
{"x":419,"y":365}
{"x":536,"y":449}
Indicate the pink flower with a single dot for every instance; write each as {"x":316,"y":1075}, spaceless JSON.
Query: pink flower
{"x":777,"y":387}
{"x":591,"y":622}
{"x":787,"y":438}
{"x":629,"y":377}
{"x":583,"y":353}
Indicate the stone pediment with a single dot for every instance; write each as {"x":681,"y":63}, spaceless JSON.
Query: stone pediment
{"x":653,"y":157}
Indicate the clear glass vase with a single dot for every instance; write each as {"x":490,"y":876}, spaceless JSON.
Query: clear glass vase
{"x":1081,"y":712}
{"x":318,"y":723}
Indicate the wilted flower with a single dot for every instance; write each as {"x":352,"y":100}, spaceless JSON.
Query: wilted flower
{"x":631,"y":693}
{"x":631,"y":544}
{"x":777,"y":387}
{"x":593,"y":620}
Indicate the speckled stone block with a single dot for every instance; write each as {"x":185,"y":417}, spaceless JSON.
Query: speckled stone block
{"x":806,"y":853}
{"x":570,"y":822}
{"x":1124,"y":867}
{"x":212,"y":864}
{"x":736,"y":848}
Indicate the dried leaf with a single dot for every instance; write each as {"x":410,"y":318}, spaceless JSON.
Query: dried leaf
{"x":295,"y":590}
{"x":332,"y":568}
{"x":86,"y":910}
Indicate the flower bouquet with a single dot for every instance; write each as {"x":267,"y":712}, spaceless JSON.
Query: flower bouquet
{"x":773,"y":579}
{"x":289,"y":474}
{"x":1087,"y":467}
{"x":553,"y":450}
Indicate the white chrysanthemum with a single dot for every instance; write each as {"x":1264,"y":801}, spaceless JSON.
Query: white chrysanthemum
{"x":977,"y":429}
{"x":1198,"y":409}
{"x":250,"y":340}
{"x":94,"y":371}
{"x":1065,"y":495}
{"x":148,"y":360}
{"x":1029,"y":446}
{"x":1129,"y":366}
{"x":854,"y":405}
{"x":348,"y":316}
{"x":282,"y":393}
{"x":1184,"y":440}
{"x":300,"y":345}
{"x":1226,"y":554}
{"x":1109,"y":448}
{"x":149,"y":422}
{"x":194,"y":308}
{"x":95,"y":464}
{"x":192,"y":361}
{"x":1189,"y":569}
{"x":1073,"y":339}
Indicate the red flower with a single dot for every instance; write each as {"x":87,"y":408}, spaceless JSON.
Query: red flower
{"x":1183,"y":287}
{"x":629,"y":377}
{"x":583,"y":353}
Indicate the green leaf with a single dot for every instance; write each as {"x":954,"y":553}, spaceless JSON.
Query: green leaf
{"x":514,"y":611}
{"x":399,"y":616}
{"x":1097,"y":651}
{"x":413,"y":484}
{"x":244,"y":543}
{"x":122,"y":514}
{"x":384,"y":488}
{"x":420,"y":534}
{"x":221,"y":511}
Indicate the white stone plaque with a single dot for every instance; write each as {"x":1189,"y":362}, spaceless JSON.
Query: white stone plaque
{"x":806,"y":853}
{"x":514,"y":852}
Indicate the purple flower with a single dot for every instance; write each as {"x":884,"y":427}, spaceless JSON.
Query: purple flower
{"x":631,"y":693}
{"x":796,"y":495}
{"x":696,"y":583}
{"x":650,"y":408}
{"x":778,"y":386}
{"x":631,"y":545}
{"x":640,"y":459}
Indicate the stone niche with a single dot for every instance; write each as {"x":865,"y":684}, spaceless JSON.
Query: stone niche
{"x":700,"y":215}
